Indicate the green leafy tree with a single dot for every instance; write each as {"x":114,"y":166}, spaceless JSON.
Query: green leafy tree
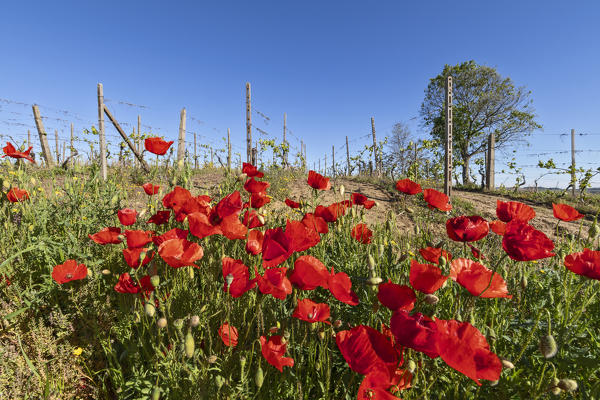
{"x":483,"y":103}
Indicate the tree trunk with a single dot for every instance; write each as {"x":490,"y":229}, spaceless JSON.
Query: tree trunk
{"x":465,"y":171}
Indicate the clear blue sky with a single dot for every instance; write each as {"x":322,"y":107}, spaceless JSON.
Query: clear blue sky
{"x":330,"y":65}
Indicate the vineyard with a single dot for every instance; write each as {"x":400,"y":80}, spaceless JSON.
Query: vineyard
{"x":181,"y":282}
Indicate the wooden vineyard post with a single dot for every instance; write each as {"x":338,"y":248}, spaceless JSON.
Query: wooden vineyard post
{"x":448,"y":158}
{"x":181,"y":143}
{"x":228,"y":150}
{"x":285,"y":152}
{"x":64,"y":147}
{"x":573,"y":177}
{"x":195,"y":153}
{"x":43,"y":136}
{"x":249,"y":154}
{"x":103,"y":167}
{"x":126,"y":139}
{"x":253,"y":159}
{"x":490,"y":173}
{"x":348,"y":156}
{"x":56,"y":146}
{"x":325,"y":165}
{"x":333,"y":169}
{"x":29,"y":137}
{"x":139,"y":137}
{"x":302,"y":157}
{"x":320,"y":166}
{"x":416,"y":162}
{"x":72,"y":148}
{"x":375,"y":155}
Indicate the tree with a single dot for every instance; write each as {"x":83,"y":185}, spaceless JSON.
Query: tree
{"x":397,"y":147}
{"x":483,"y":103}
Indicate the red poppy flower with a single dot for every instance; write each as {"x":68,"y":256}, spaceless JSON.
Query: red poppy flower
{"x":366,"y":350}
{"x":309,"y":311}
{"x":301,"y":237}
{"x":340,"y":287}
{"x":362,"y":233}
{"x":292,"y":203}
{"x":476,"y":252}
{"x":259,"y":199}
{"x":318,"y":181}
{"x":254,"y":186}
{"x":199,"y":203}
{"x":309,"y":273}
{"x":467,"y":229}
{"x":229,"y":334}
{"x":229,"y":205}
{"x":132,"y":256}
{"x":239,"y":275}
{"x":250,"y":170}
{"x":586,"y":263}
{"x":498,"y":227}
{"x":433,"y":254}
{"x":175,"y":233}
{"x":426,"y":278}
{"x":524,"y":243}
{"x":274,"y":282}
{"x":126,"y":284}
{"x":251,"y":219}
{"x":176,"y":199}
{"x":15,"y":195}
{"x":332,"y":212}
{"x":565,"y":212}
{"x":277,"y":247}
{"x":437,"y":200}
{"x":68,"y":271}
{"x":202,"y":225}
{"x":156,"y":145}
{"x":375,"y":384}
{"x":513,"y":210}
{"x":108,"y":235}
{"x":138,"y":238}
{"x":407,"y":186}
{"x":127,"y":216}
{"x":273,"y":351}
{"x":396,"y":297}
{"x":315,"y":222}
{"x":180,"y":252}
{"x":362,"y":200}
{"x":11,"y":151}
{"x":150,"y":189}
{"x":465,"y":349}
{"x":416,"y":331}
{"x":160,"y":218}
{"x":475,"y":277}
{"x":254,"y":243}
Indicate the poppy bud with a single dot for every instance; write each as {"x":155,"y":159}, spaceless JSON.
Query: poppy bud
{"x":194,"y":321}
{"x":155,"y":280}
{"x":203,"y":308}
{"x":548,"y":347}
{"x":286,"y":334}
{"x":149,"y":309}
{"x":121,"y":237}
{"x":374,"y":281}
{"x":106,"y":272}
{"x":161,"y":323}
{"x":142,"y":213}
{"x":507,"y":364}
{"x":381,"y":249}
{"x":555,"y":390}
{"x":259,"y":377}
{"x":568,"y":385}
{"x":242,"y":362}
{"x":342,"y":190}
{"x":242,"y":177}
{"x":189,"y":345}
{"x":114,"y":200}
{"x":353,"y":212}
{"x":142,"y":256}
{"x":388,"y":225}
{"x":472,"y":319}
{"x":491,"y":334}
{"x":442,"y":261}
{"x":494,"y":383}
{"x":409,"y":210}
{"x":229,"y":279}
{"x":417,"y":230}
{"x":371,"y":262}
{"x":261,"y":219}
{"x":156,"y":393}
{"x":191,"y":272}
{"x":6,"y":184}
{"x":524,"y":282}
{"x":431,"y":299}
{"x":212,"y":359}
{"x":174,"y":181}
{"x":178,"y":324}
{"x":411,"y":366}
{"x":219,"y":381}
{"x":321,"y":335}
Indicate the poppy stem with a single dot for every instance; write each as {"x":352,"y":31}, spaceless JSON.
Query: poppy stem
{"x":493,"y":272}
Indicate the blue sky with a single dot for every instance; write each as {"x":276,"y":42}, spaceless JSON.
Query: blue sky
{"x":329,"y":65}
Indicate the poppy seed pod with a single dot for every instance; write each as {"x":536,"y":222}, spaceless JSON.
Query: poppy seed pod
{"x":568,"y":385}
{"x":593,"y":229}
{"x":212,"y":359}
{"x":189,"y":345}
{"x":155,"y":280}
{"x":506,"y":363}
{"x":524,"y":282}
{"x":411,"y":366}
{"x":321,"y":335}
{"x":149,"y":309}
{"x":106,"y":272}
{"x":161,"y":323}
{"x":178,"y":324}
{"x":548,"y":346}
{"x":342,"y":190}
{"x":431,"y":299}
{"x":261,"y":219}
